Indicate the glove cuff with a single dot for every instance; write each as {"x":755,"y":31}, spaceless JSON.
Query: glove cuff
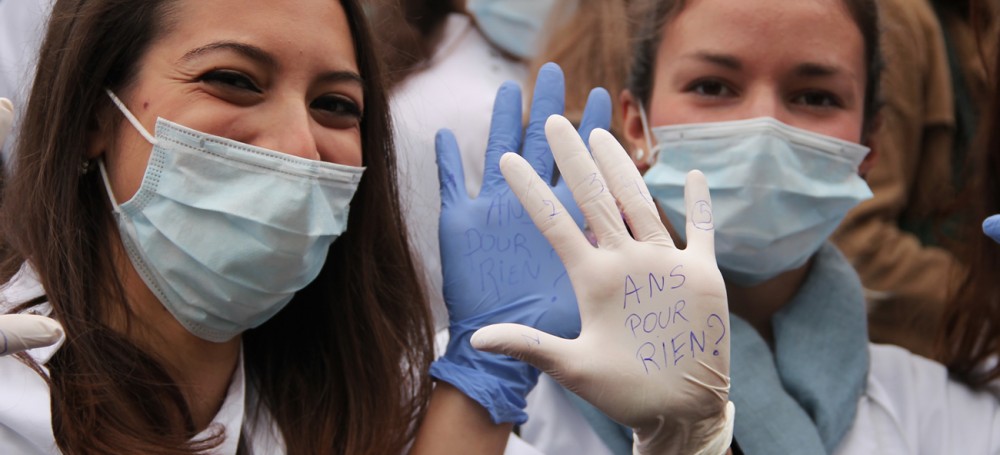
{"x":504,"y":404}
{"x":716,"y":439}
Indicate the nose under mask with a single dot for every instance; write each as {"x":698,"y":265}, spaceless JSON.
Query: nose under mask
{"x":225,"y":233}
{"x":778,"y":192}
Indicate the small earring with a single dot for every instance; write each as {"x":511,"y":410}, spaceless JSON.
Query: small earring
{"x":639,"y":154}
{"x":85,"y":167}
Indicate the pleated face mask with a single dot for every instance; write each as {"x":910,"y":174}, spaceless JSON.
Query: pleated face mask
{"x":778,"y":192}
{"x":225,"y":233}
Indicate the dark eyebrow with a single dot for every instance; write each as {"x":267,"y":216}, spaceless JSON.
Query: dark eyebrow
{"x":723,"y":60}
{"x":247,"y":50}
{"x":816,"y":70}
{"x":260,"y":55}
{"x":341,"y":76}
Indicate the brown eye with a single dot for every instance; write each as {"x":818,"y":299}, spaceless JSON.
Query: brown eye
{"x":818,"y":99}
{"x":336,"y":111}
{"x":710,"y":88}
{"x":231,"y":80}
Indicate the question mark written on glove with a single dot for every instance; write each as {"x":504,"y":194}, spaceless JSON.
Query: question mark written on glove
{"x":665,"y":334}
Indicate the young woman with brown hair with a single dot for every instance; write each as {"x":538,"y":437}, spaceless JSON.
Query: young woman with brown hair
{"x":772,"y":100}
{"x":185,"y":286}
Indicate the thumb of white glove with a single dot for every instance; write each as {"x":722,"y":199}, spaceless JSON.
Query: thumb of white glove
{"x":19,"y":332}
{"x":6,"y":119}
{"x":653,"y":352}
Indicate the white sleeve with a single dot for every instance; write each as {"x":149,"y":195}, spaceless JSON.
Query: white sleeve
{"x":22,"y":27}
{"x":911,"y":406}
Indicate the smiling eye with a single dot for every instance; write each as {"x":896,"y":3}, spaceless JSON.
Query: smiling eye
{"x":710,"y":88}
{"x":230,"y":79}
{"x":337,"y":111}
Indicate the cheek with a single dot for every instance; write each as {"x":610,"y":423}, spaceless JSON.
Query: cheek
{"x":679,"y":109}
{"x":126,"y":165}
{"x":846,"y":126}
{"x":341,"y":146}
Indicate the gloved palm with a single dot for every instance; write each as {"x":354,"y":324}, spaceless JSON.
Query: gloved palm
{"x":653,"y":352}
{"x":497,"y":266}
{"x":19,"y":332}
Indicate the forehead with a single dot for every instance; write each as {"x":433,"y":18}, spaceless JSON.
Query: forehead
{"x":315,"y":31}
{"x":768,"y":31}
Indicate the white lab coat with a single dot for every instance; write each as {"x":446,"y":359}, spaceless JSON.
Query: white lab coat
{"x":25,"y":412}
{"x":910,"y":407}
{"x":455,"y":90}
{"x":22,"y":27}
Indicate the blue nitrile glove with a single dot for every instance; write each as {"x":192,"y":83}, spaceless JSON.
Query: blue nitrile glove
{"x":497,"y":266}
{"x":991,"y":227}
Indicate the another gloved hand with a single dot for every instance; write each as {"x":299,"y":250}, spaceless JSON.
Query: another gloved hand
{"x":653,"y":351}
{"x":991,"y":227}
{"x":19,"y":332}
{"x":497,"y":267}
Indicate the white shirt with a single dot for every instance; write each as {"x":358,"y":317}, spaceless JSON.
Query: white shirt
{"x":910,"y":407}
{"x":25,"y":412}
{"x":22,"y":27}
{"x":455,"y":90}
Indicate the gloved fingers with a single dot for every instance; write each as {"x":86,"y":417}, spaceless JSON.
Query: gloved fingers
{"x":450,"y":171}
{"x":587,"y":183}
{"x":505,"y":135}
{"x":596,"y":114}
{"x":549,"y":99}
{"x":540,"y":349}
{"x":700,"y":225}
{"x":628,"y":188}
{"x":19,"y":332}
{"x":991,"y":227}
{"x":6,"y":118}
{"x":549,"y":215}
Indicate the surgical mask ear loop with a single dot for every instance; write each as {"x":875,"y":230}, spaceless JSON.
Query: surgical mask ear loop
{"x":131,"y":118}
{"x":651,"y":159}
{"x":107,"y":185}
{"x":138,"y":127}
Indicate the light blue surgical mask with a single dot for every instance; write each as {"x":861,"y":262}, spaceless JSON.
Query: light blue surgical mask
{"x":225,"y":233}
{"x":778,"y":192}
{"x":516,"y":26}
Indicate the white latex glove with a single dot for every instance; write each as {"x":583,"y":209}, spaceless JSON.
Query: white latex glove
{"x":19,"y":332}
{"x":653,"y":351}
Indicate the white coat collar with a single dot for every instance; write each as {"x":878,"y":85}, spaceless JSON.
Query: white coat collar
{"x":25,"y":406}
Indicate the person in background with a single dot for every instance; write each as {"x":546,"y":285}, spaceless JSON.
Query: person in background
{"x":904,"y":242}
{"x":969,"y":340}
{"x":771,"y":100}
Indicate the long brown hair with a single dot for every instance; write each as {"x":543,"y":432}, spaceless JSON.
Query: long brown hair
{"x":592,"y":47}
{"x":407,"y":33}
{"x":970,"y":335}
{"x":341,"y":369}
